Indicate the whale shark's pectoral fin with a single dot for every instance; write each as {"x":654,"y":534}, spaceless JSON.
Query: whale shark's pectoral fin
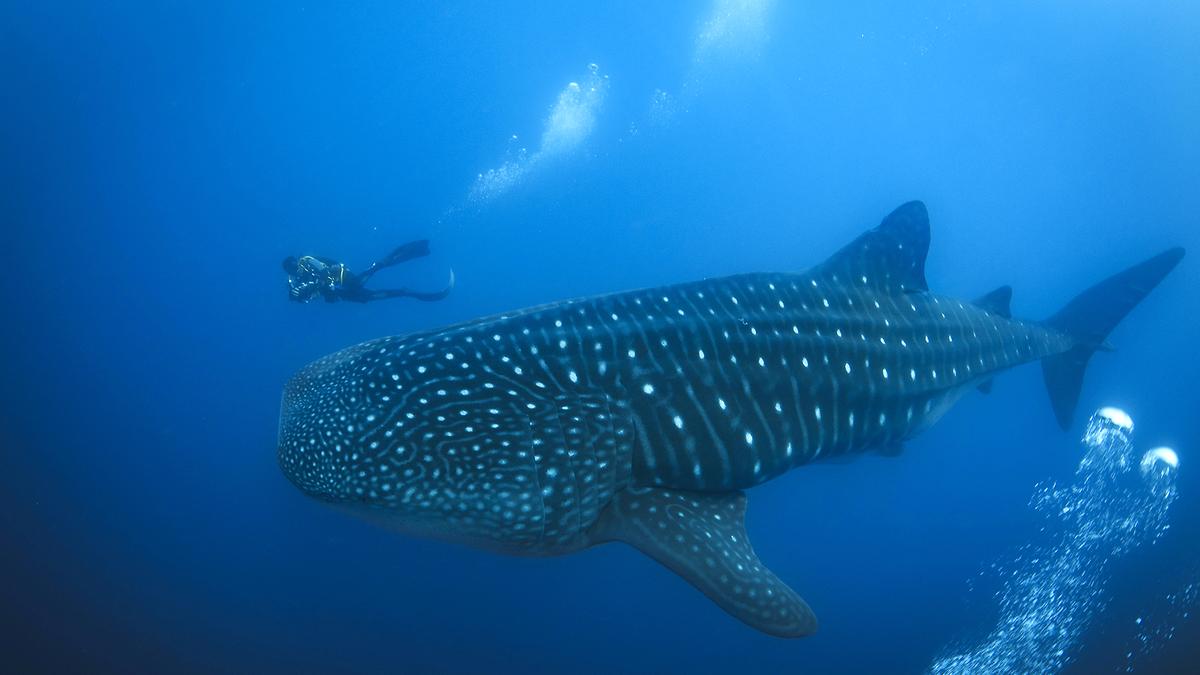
{"x":702,"y":538}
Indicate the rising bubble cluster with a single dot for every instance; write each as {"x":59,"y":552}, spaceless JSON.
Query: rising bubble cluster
{"x":1051,"y":592}
{"x":568,"y":124}
{"x":732,"y":26}
{"x":1155,"y":628}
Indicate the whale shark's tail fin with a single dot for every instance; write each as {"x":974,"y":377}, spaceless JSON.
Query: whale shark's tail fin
{"x":1089,"y":318}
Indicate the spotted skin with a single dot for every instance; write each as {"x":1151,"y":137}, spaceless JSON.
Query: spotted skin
{"x":528,"y":432}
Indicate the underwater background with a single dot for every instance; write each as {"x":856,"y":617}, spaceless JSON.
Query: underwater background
{"x":158,"y":160}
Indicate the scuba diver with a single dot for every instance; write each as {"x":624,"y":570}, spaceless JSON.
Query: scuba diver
{"x":310,"y":276}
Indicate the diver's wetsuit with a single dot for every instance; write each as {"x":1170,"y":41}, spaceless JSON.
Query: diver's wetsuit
{"x":311,"y":276}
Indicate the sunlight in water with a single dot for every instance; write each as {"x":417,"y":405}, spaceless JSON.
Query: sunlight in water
{"x":733,"y":26}
{"x":731,"y":30}
{"x":1052,"y":591}
{"x":569,"y":123}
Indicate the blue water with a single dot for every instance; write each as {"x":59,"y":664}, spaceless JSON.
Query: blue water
{"x":160,"y":159}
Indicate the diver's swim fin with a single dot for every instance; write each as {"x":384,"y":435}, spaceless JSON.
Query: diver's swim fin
{"x":405,"y":252}
{"x":435,"y":295}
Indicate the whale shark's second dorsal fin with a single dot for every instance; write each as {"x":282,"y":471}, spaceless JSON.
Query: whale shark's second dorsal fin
{"x":889,"y":258}
{"x":997,"y":302}
{"x":702,"y":538}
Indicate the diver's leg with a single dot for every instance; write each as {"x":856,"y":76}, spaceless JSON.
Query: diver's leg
{"x":384,"y":293}
{"x":361,"y":277}
{"x":366,"y":294}
{"x":352,"y":289}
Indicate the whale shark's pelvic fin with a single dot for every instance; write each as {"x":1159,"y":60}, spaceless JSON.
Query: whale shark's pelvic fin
{"x":702,"y":538}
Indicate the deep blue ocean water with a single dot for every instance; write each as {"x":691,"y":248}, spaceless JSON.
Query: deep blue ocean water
{"x":158,"y":160}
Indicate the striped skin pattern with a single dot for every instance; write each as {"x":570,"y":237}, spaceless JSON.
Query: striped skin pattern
{"x":535,"y":432}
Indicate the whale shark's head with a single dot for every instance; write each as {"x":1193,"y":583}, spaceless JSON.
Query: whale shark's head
{"x":383,"y":424}
{"x":321,"y":419}
{"x":417,"y":433}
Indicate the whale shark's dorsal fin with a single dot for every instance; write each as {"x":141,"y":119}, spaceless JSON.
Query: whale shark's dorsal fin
{"x":702,"y":538}
{"x":889,"y":258}
{"x":997,"y":302}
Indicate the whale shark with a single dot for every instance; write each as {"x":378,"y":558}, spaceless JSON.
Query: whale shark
{"x":642,"y":416}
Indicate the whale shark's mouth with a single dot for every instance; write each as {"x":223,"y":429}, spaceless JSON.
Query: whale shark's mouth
{"x":317,"y":426}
